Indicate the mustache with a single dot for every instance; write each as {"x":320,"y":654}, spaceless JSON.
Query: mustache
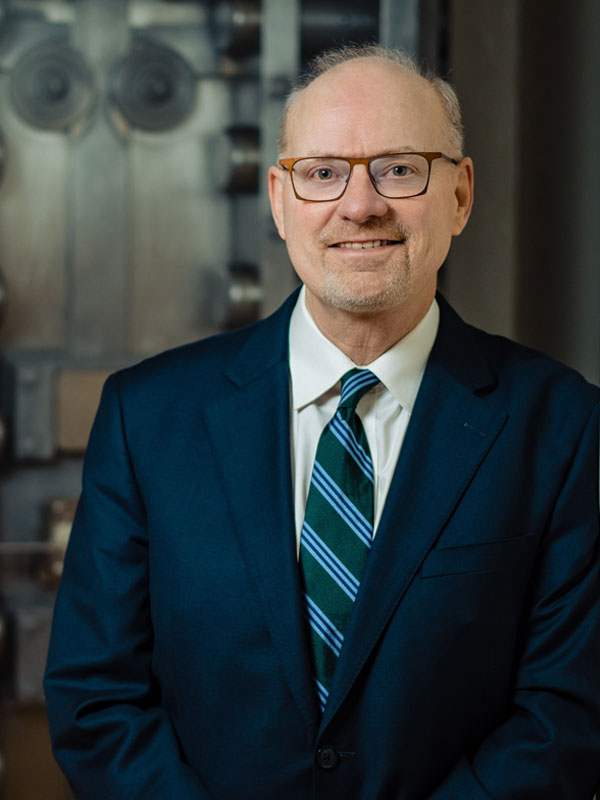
{"x":370,"y":230}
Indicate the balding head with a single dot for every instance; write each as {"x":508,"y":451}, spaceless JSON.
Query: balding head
{"x":336,"y":58}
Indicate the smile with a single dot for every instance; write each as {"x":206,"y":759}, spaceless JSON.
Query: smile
{"x":367,"y":245}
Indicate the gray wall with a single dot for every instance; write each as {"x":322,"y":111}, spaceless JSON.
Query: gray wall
{"x":527,"y":266}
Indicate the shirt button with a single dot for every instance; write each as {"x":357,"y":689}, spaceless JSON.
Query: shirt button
{"x":327,"y":758}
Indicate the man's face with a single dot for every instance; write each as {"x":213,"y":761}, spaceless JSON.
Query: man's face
{"x":364,"y":252}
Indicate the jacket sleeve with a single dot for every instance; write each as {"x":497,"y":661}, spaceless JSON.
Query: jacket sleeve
{"x":548,"y":748}
{"x":110,"y":734}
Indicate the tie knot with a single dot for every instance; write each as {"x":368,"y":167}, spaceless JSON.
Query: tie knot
{"x":355,"y":384}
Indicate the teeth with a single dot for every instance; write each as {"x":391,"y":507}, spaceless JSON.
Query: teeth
{"x":364,"y":245}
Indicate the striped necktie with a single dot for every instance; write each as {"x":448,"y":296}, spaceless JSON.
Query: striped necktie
{"x":338,"y":528}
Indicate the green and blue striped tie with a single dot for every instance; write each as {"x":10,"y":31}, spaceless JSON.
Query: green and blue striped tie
{"x":338,"y":528}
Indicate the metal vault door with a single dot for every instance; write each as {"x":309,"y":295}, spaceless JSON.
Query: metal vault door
{"x":134,"y":142}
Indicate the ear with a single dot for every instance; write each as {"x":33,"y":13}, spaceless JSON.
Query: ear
{"x":464,"y":194}
{"x":276,"y":178}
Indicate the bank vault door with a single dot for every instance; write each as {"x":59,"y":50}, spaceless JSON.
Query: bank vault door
{"x":134,"y":143}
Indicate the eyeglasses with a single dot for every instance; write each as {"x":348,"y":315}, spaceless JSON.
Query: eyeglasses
{"x":322,"y":178}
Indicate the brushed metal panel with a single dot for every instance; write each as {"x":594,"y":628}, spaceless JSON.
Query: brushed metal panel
{"x":25,"y":492}
{"x":34,"y":434}
{"x":33,"y":208}
{"x":99,"y":244}
{"x":181,"y":226}
{"x":98,"y":213}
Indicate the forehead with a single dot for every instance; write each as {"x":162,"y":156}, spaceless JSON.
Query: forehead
{"x":366,"y":107}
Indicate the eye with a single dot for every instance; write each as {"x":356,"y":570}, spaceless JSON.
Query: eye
{"x":323,"y":174}
{"x":395,"y":169}
{"x":321,"y":170}
{"x":399,"y":170}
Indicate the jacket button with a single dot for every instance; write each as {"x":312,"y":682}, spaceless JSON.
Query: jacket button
{"x":327,"y":758}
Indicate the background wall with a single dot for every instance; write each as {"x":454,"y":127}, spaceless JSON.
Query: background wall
{"x":528,"y":265}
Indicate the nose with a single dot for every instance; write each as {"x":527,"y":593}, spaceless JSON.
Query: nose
{"x":360,"y":201}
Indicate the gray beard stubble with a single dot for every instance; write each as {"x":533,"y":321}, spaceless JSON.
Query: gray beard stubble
{"x":393,"y":294}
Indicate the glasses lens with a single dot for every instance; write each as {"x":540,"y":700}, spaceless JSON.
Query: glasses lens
{"x":401,"y":175}
{"x":320,"y":178}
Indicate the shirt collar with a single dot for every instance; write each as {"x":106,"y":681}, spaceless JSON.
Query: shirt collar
{"x":316,"y":364}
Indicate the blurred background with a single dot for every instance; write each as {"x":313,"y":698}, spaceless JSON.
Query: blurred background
{"x":134,"y":142}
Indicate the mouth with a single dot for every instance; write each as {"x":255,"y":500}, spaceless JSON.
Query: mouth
{"x":368,"y":245}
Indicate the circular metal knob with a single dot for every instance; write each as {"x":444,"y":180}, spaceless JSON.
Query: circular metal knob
{"x":232,"y":298}
{"x":52,"y":88}
{"x":236,"y":160}
{"x":236,"y":26}
{"x":153,"y":88}
{"x":245,"y":295}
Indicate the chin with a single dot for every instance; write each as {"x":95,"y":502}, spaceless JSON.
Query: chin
{"x":358,"y":297}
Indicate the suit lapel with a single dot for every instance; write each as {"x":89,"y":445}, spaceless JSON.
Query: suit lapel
{"x":254,"y":460}
{"x":449,"y":434}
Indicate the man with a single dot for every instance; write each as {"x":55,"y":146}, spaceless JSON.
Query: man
{"x":454,"y":652}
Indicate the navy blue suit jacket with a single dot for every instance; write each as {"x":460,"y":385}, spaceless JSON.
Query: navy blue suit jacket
{"x":178,"y":666}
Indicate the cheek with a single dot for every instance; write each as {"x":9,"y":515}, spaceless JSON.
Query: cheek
{"x":431,"y":233}
{"x":439,"y":219}
{"x":444,"y":211}
{"x":292,"y":217}
{"x":301,"y":234}
{"x":303,"y":223}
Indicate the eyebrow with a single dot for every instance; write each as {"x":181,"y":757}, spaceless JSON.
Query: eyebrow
{"x":388,"y":151}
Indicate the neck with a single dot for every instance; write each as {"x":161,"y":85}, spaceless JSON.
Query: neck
{"x":364,"y":336}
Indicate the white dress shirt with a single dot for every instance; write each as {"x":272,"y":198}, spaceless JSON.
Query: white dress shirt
{"x":316,"y":366}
